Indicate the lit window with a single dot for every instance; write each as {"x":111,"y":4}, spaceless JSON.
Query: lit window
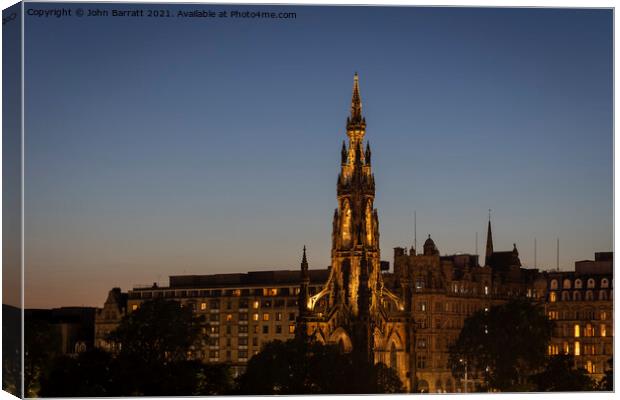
{"x":554,"y":284}
{"x":229,"y":317}
{"x":255,"y":317}
{"x":603,"y":330}
{"x":134,"y":307}
{"x":577,"y":330}
{"x":265,"y":316}
{"x":279,"y":316}
{"x":589,"y":366}
{"x":603,"y":315}
{"x":236,"y":292}
{"x":486,"y":290}
{"x":203,"y":306}
{"x":255,"y":304}
{"x":566,"y":284}
{"x":291,"y":329}
{"x":577,"y":349}
{"x":590,"y":283}
{"x":552,"y":297}
{"x":589,"y":332}
{"x":578,"y":284}
{"x":566,"y":347}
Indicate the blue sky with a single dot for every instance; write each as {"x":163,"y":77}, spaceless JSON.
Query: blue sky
{"x":175,"y":145}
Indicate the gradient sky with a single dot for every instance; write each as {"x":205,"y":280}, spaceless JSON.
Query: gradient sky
{"x":195,"y":146}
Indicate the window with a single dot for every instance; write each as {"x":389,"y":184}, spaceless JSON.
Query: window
{"x":577,"y":349}
{"x":291,"y":316}
{"x":228,"y":355}
{"x":278,"y":316}
{"x":255,"y":330}
{"x":577,"y":296}
{"x":134,"y":307}
{"x":291,"y":329}
{"x":552,"y":314}
{"x":278,"y":329}
{"x":605,"y":283}
{"x":265,"y":316}
{"x":228,"y":342}
{"x":422,"y":343}
{"x":422,"y":306}
{"x":589,"y":331}
{"x":577,"y":332}
{"x":553,"y":350}
{"x":578,"y":284}
{"x":566,"y":284}
{"x":602,"y":295}
{"x":203,"y":306}
{"x":243,"y":317}
{"x":243,"y":354}
{"x":603,"y":330}
{"x":229,"y":317}
{"x":265,"y":329}
{"x":603,"y":315}
{"x":554,"y":284}
{"x":228,"y":329}
{"x":255,"y":317}
{"x":419,"y":283}
{"x":243,"y":303}
{"x":214,"y":354}
{"x":591,"y":283}
{"x":214,"y":329}
{"x":213,"y":341}
{"x":255,"y":304}
{"x":243,"y":329}
{"x":566,"y":347}
{"x":552,"y":297}
{"x":215,"y":304}
{"x":421,"y":362}
{"x":589,"y":366}
{"x":243,"y":341}
{"x":254,"y":341}
{"x":565,"y":296}
{"x":213,"y":317}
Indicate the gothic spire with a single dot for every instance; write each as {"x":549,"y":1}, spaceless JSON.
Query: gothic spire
{"x":356,"y":101}
{"x":356,"y":121}
{"x":489,"y":251}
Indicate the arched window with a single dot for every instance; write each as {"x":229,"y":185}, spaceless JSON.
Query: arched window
{"x":589,"y":296}
{"x":578,"y":284}
{"x":590,"y":283}
{"x":554,"y":284}
{"x":604,"y":283}
{"x":565,"y":296}
{"x":552,"y":297}
{"x":566,"y":284}
{"x":576,"y":296}
{"x":602,"y":295}
{"x":393,"y":357}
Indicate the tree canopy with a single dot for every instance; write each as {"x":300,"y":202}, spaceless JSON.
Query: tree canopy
{"x":297,"y":367}
{"x":504,"y":345}
{"x":560,"y":375}
{"x":158,"y":357}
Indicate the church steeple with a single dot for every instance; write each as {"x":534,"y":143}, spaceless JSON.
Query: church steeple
{"x":489,"y":251}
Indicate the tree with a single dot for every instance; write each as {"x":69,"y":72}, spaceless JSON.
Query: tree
{"x":607,"y":383}
{"x":158,"y":332}
{"x":90,"y":374}
{"x":297,"y":367}
{"x":41,"y":344}
{"x":504,"y":345}
{"x":560,"y":375}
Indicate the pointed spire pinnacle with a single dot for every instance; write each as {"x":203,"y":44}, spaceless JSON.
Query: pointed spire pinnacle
{"x":355,"y":120}
{"x":367,"y":155}
{"x":304,"y":260}
{"x":343,"y":153}
{"x":489,"y":251}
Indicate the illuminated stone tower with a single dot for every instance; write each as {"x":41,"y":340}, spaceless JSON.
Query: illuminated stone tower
{"x":355,"y":225}
{"x":354,"y":309}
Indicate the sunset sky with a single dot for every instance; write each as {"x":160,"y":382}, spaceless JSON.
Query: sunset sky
{"x":169,"y":146}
